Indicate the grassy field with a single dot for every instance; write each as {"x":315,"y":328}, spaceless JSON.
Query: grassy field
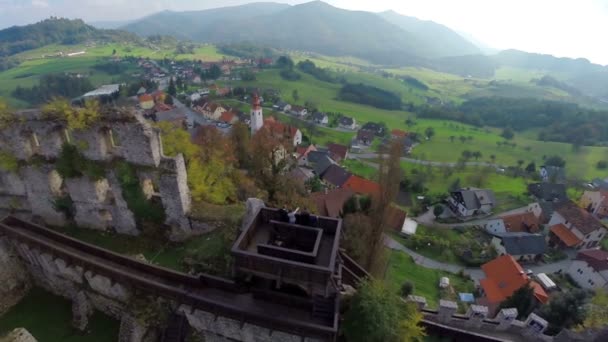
{"x":401,"y":268}
{"x":48,"y":318}
{"x":360,"y":168}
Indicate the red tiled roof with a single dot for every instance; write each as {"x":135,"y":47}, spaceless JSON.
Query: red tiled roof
{"x":337,"y":151}
{"x":227,"y":117}
{"x":503,"y":277}
{"x":362,"y":186}
{"x":398,"y":133}
{"x":596,"y":258}
{"x":580,"y":218}
{"x":395,"y":217}
{"x":565,"y":235}
{"x":146,"y":98}
{"x":303,"y":151}
{"x":331,"y":203}
{"x":525,"y":222}
{"x":277,"y":127}
{"x":162,"y":107}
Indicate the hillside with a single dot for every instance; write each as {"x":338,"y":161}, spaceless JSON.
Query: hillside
{"x":196,"y":25}
{"x":314,"y":26}
{"x":441,"y":40}
{"x":17,"y":39}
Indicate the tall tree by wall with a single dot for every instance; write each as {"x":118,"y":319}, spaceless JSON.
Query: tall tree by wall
{"x":389,"y":177}
{"x":269,"y":162}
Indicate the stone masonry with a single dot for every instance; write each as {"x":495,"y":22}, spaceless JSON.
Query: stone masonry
{"x":14,"y":279}
{"x":90,"y":291}
{"x":36,"y":142}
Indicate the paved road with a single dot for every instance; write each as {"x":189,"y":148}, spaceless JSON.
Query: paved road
{"x":428,"y":218}
{"x":475,"y":273}
{"x":427,"y":162}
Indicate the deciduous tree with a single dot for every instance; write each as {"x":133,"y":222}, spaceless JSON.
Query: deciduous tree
{"x":522,"y":299}
{"x":377,"y":315}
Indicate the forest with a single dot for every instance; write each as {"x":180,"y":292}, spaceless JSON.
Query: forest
{"x":51,"y":86}
{"x":321,"y":74}
{"x":557,"y":121}
{"x":368,"y":95}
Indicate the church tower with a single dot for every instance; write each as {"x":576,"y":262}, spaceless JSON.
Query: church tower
{"x":257,"y":118}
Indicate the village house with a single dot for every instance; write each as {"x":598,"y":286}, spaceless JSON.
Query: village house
{"x":335,"y":176}
{"x":282,"y":106}
{"x":224,"y":91}
{"x":228,"y":117}
{"x":320,"y":118}
{"x":374,"y":127}
{"x":468,"y":202}
{"x":552,"y":174}
{"x":176,"y":116}
{"x":362,"y":186}
{"x":517,"y":223}
{"x":347,"y":123}
{"x":302,"y":153}
{"x":331,"y":202}
{"x":590,"y":269}
{"x":212,"y":110}
{"x":595,"y":202}
{"x":146,"y":101}
{"x":299,"y":111}
{"x":573,"y":227}
{"x":504,"y":275}
{"x":522,"y":246}
{"x":292,"y":134}
{"x":398,"y":134}
{"x":364,"y":137}
{"x":548,"y":196}
{"x":337,"y":152}
{"x":301,"y":174}
{"x":319,"y":161}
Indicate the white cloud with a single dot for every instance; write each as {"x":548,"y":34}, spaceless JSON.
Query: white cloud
{"x":40,"y":4}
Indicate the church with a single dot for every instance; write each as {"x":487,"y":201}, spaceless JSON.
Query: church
{"x":276,"y":127}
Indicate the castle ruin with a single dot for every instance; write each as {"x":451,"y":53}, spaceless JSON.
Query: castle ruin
{"x":31,"y":191}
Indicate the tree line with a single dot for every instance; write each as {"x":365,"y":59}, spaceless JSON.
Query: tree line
{"x":558,"y":121}
{"x":369,"y":95}
{"x":53,"y":85}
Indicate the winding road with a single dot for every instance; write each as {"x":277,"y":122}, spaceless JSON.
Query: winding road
{"x":475,"y":273}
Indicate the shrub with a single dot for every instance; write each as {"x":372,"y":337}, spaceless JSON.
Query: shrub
{"x":407,"y":289}
{"x":71,"y":164}
{"x":290,"y":75}
{"x":65,"y":205}
{"x":142,"y":208}
{"x":8,"y":162}
{"x":602,"y":165}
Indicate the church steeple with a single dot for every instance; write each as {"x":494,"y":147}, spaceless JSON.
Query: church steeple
{"x":257,"y":117}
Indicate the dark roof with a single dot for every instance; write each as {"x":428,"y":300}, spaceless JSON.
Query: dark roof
{"x":523,"y":243}
{"x":548,"y":192}
{"x":336,"y":175}
{"x":473,"y":198}
{"x":337,"y":151}
{"x":346,"y":121}
{"x":363,"y":134}
{"x":579,"y":217}
{"x":374,"y":127}
{"x":318,"y":116}
{"x":596,"y":258}
{"x":173,"y":114}
{"x":320,"y":161}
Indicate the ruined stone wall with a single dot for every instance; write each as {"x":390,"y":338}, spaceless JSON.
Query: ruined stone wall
{"x":14,"y":279}
{"x":36,"y":142}
{"x":89,"y":291}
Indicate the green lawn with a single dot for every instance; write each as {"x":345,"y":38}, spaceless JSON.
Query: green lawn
{"x":360,"y":168}
{"x":401,"y":268}
{"x":48,"y":318}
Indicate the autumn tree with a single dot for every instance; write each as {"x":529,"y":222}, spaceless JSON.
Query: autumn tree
{"x":6,"y":115}
{"x":378,"y":315}
{"x":240,"y":141}
{"x":270,"y":160}
{"x":389,"y":177}
{"x":357,"y":232}
{"x":564,"y":310}
{"x":75,"y":118}
{"x":210,"y":168}
{"x":597,"y":312}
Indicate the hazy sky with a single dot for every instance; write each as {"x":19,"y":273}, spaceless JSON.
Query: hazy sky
{"x":565,"y":28}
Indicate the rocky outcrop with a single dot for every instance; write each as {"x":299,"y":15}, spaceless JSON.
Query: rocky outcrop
{"x":18,"y":335}
{"x":14,"y":279}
